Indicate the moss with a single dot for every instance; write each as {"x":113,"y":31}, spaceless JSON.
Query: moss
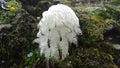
{"x":6,"y":16}
{"x":115,"y":2}
{"x":91,"y":57}
{"x":16,"y":42}
{"x":94,"y":23}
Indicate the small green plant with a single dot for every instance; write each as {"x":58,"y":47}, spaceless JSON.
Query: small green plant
{"x":6,"y":16}
{"x":15,"y":4}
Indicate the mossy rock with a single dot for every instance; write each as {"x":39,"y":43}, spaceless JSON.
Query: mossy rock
{"x":16,"y":41}
{"x":92,"y":57}
{"x":95,"y":23}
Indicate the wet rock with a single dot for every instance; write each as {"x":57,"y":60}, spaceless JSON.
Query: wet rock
{"x":109,"y":27}
{"x":93,"y":8}
{"x":118,"y":62}
{"x":5,"y":26}
{"x":116,"y":46}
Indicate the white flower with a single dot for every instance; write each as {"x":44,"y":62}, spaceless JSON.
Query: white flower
{"x":30,"y":54}
{"x":57,"y":28}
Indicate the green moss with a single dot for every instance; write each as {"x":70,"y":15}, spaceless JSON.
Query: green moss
{"x":92,"y":57}
{"x":16,"y":42}
{"x":94,"y":23}
{"x":6,"y":16}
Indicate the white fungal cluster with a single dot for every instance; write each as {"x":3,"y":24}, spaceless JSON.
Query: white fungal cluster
{"x":57,"y":28}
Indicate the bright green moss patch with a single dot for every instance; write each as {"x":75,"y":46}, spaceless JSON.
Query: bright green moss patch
{"x":6,"y":16}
